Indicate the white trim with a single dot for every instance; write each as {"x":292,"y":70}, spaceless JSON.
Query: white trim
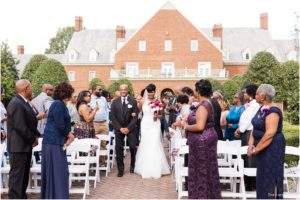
{"x":133,"y":73}
{"x":142,"y":46}
{"x":168,"y":45}
{"x":93,"y":64}
{"x":71,"y":76}
{"x":163,"y":64}
{"x":204,"y":71}
{"x":244,"y":54}
{"x":194,"y":43}
{"x":93,"y":55}
{"x":92,"y":74}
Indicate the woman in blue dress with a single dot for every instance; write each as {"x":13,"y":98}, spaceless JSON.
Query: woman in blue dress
{"x":267,"y":142}
{"x":55,"y":175}
{"x":233,"y":117}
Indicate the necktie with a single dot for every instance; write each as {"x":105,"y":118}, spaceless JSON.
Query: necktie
{"x":123,"y":101}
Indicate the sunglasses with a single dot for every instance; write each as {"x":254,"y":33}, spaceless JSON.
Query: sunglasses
{"x":88,"y":95}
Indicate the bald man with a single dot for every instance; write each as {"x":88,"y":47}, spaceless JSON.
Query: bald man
{"x":22,"y":136}
{"x":42,"y":103}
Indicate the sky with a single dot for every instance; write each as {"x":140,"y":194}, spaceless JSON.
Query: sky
{"x":33,"y":22}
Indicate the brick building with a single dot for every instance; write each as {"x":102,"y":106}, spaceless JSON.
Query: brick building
{"x":168,"y":50}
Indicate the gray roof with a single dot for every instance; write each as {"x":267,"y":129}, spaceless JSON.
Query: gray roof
{"x":235,"y":41}
{"x":25,"y":58}
{"x":103,"y":41}
{"x":285,"y":47}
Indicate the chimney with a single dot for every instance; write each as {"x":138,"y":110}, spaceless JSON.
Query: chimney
{"x":264,"y":21}
{"x":120,"y":32}
{"x":20,"y":49}
{"x":78,"y":23}
{"x":218,"y":32}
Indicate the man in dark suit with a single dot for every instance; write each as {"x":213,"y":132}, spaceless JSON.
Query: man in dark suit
{"x":21,"y":137}
{"x":124,"y":113}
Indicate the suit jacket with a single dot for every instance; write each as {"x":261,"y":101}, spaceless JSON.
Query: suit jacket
{"x":21,"y":126}
{"x":42,"y":103}
{"x":124,"y":117}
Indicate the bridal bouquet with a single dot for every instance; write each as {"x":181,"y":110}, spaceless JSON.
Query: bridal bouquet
{"x":156,"y":107}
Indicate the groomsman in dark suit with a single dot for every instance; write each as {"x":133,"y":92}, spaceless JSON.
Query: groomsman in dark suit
{"x":124,"y":113}
{"x":22,"y":136}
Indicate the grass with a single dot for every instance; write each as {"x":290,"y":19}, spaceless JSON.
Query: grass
{"x":291,"y":134}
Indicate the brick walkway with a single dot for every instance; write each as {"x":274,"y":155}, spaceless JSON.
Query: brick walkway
{"x":132,"y":186}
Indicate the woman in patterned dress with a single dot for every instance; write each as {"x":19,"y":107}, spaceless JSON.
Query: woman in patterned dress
{"x":203,"y":181}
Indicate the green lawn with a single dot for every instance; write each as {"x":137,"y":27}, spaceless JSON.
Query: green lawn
{"x":291,"y":133}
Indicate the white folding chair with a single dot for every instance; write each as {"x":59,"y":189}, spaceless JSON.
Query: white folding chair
{"x":126,"y":147}
{"x":79,"y":167}
{"x":36,"y":168}
{"x":112,"y":151}
{"x":178,"y":142}
{"x":94,"y":157}
{"x":292,"y":173}
{"x":182,"y":171}
{"x":105,"y":152}
{"x":233,"y":172}
{"x":5,"y":168}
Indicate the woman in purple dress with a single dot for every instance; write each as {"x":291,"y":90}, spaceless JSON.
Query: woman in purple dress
{"x":203,"y":182}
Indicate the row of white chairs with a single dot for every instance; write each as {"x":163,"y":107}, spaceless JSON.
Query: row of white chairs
{"x":232,"y":170}
{"x":82,"y":161}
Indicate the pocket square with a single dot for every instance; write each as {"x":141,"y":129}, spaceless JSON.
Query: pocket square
{"x":129,"y":106}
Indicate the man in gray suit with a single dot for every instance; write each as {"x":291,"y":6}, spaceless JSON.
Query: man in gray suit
{"x":42,"y":103}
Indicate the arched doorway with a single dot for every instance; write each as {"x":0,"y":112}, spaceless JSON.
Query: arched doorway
{"x":166,"y":93}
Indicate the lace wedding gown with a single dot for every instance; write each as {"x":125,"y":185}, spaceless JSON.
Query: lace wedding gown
{"x":151,"y":160}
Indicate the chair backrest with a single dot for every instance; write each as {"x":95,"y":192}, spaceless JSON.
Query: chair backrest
{"x":38,"y":148}
{"x":235,"y":143}
{"x":290,"y":150}
{"x":183,"y":150}
{"x":79,"y":146}
{"x":224,"y":148}
{"x":103,"y":137}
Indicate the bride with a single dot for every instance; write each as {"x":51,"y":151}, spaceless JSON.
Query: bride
{"x":151,"y":160}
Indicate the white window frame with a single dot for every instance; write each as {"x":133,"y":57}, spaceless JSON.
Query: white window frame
{"x":93,"y":55}
{"x":142,"y":45}
{"x":245,"y":52}
{"x":204,"y":69}
{"x":167,"y":69}
{"x":168,"y":45}
{"x":73,"y":56}
{"x":92,"y":74}
{"x":132,"y":69}
{"x":71,"y":75}
{"x":194,"y":45}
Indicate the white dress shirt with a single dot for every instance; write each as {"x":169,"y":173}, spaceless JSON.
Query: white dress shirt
{"x":248,"y":114}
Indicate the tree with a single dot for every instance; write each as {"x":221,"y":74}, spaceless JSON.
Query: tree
{"x":216,"y":85}
{"x":52,"y":72}
{"x":264,"y":68}
{"x":60,"y":42}
{"x":115,"y":86}
{"x":32,"y":66}
{"x":9,"y":72}
{"x":97,"y":81}
{"x":232,"y":86}
{"x":290,"y":85}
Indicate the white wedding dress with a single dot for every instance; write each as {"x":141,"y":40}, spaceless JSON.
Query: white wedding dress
{"x":151,"y":161}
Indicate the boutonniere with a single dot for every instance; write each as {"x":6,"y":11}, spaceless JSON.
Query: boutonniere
{"x":129,"y":106}
{"x":126,"y":101}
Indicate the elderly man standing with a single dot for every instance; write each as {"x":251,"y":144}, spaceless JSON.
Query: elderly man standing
{"x":101,"y":118}
{"x":42,"y":103}
{"x":22,"y":137}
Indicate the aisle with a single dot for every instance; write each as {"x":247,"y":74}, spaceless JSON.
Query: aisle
{"x":132,"y":186}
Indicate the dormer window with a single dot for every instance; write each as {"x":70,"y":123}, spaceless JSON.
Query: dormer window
{"x":246,"y":54}
{"x":270,"y":51}
{"x":142,"y":45}
{"x":73,"y":56}
{"x":93,"y":56}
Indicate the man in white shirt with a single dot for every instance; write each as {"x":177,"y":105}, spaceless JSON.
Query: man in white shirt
{"x":42,"y":103}
{"x":101,"y":118}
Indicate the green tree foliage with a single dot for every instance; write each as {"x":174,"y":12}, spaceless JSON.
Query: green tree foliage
{"x":216,"y":85}
{"x":52,"y":72}
{"x":32,"y":66}
{"x":9,"y":72}
{"x":60,"y":42}
{"x":290,"y":86}
{"x":264,"y":68}
{"x":231,"y":87}
{"x":115,"y":86}
{"x":97,"y":81}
